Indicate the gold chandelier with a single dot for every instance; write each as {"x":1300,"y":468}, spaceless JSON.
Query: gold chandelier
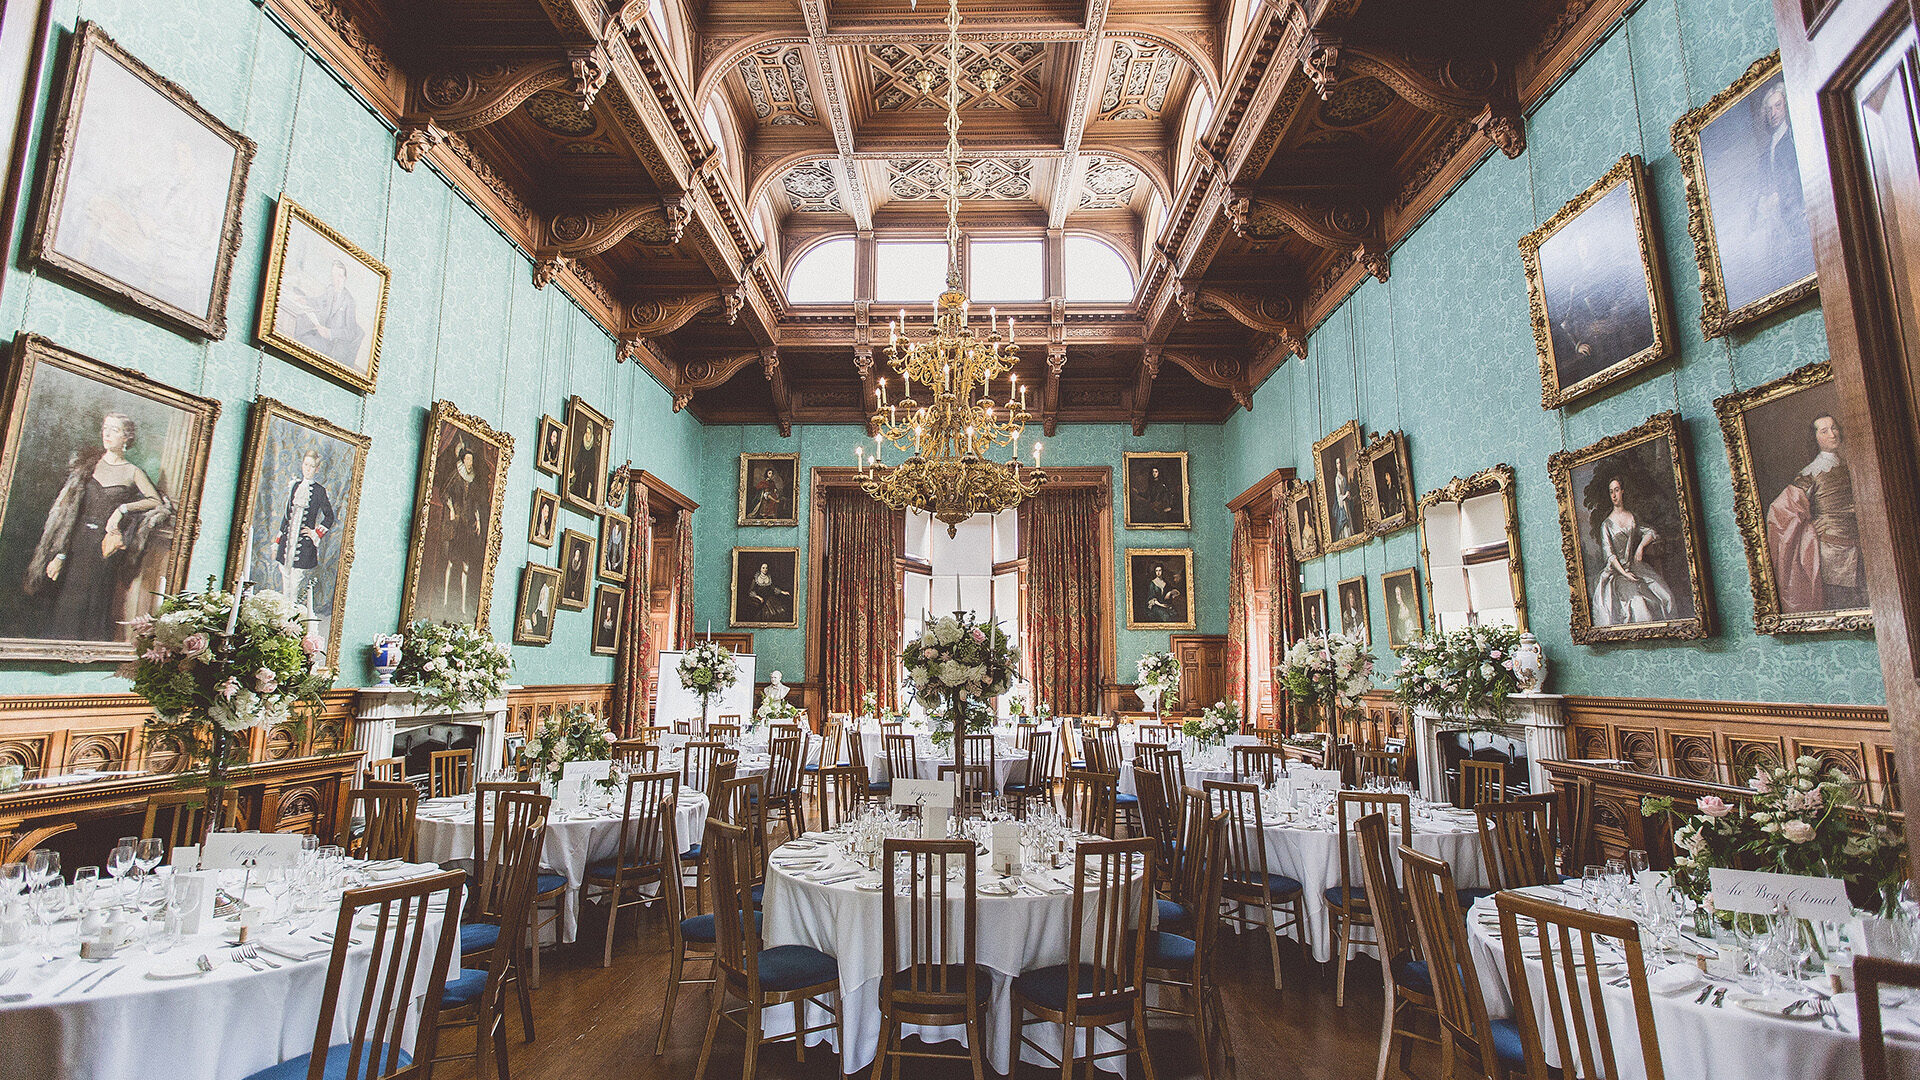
{"x":947,"y":472}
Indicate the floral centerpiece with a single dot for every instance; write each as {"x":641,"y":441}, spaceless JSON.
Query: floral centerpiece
{"x":571,"y":734}
{"x":1800,"y":819}
{"x":1017,"y":705}
{"x":1159,"y":678}
{"x":212,"y":665}
{"x":1464,"y":677}
{"x":448,"y":665}
{"x":870,"y":705}
{"x":773,"y":710}
{"x":953,"y":665}
{"x":1216,"y":722}
{"x":1330,"y":671}
{"x":707,"y":669}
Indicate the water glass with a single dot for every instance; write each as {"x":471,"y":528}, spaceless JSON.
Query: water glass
{"x":86,"y":881}
{"x":1593,"y":886}
{"x":43,"y":866}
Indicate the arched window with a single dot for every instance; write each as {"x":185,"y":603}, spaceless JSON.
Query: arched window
{"x":823,"y":274}
{"x":1096,"y":273}
{"x":909,"y":272}
{"x":718,"y":133}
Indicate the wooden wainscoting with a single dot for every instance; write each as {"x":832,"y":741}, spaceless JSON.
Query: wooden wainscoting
{"x":530,"y":706}
{"x":59,"y":733}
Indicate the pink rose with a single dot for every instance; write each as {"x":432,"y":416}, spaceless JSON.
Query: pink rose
{"x":1760,"y":783}
{"x":229,"y":688}
{"x":979,"y":635}
{"x":1495,"y":654}
{"x":194,"y":645}
{"x":266,"y":681}
{"x":311,"y":644}
{"x":929,"y":653}
{"x":1797,"y":831}
{"x":1714,"y":806}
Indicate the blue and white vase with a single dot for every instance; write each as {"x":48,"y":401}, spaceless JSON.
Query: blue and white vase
{"x":386,"y":657}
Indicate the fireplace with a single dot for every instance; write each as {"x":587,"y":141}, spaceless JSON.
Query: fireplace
{"x":418,"y":745}
{"x":388,"y":722}
{"x":1534,"y":732}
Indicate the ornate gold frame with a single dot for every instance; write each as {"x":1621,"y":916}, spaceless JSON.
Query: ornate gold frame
{"x":540,"y":496}
{"x":578,"y":411}
{"x":1186,"y":489}
{"x":1366,"y":605}
{"x":259,"y":417}
{"x":284,"y":215}
{"x":740,"y":517}
{"x":1497,"y":478}
{"x":88,"y":42}
{"x":604,"y":574}
{"x":1628,"y":170}
{"x":1185,"y":555}
{"x":1394,"y":443}
{"x":1412,"y":573}
{"x":568,"y":538}
{"x":1305,"y":546}
{"x":445,"y":412}
{"x":528,"y":574}
{"x":593,"y":632}
{"x":1751,"y":513}
{"x":1560,"y":466}
{"x":29,"y":351}
{"x":733,"y":587}
{"x":1322,"y":492}
{"x":540,"y":442}
{"x":1715,"y":317}
{"x":1318,"y":597}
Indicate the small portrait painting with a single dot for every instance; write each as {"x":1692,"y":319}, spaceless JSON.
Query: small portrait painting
{"x":1793,"y":496}
{"x":100,"y":478}
{"x":542,"y":519}
{"x":584,"y":485}
{"x":1594,"y":284}
{"x":616,"y":533}
{"x":293,"y":525}
{"x":608,"y":601}
{"x":1313,"y":612}
{"x":1157,"y":491}
{"x":539,"y":594}
{"x":456,"y":519}
{"x":767,"y":483}
{"x":1627,"y":526}
{"x":1160,"y":589}
{"x":1336,"y":459}
{"x":1747,"y":215}
{"x":1355,"y":622}
{"x":325,"y":300}
{"x":1387,"y":484}
{"x":1401,"y":590}
{"x":576,"y":569}
{"x":1303,"y":527}
{"x":551,"y":455}
{"x":765,"y":587}
{"x":143,"y":188}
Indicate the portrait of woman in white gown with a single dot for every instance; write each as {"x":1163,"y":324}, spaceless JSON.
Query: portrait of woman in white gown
{"x":1629,"y":589}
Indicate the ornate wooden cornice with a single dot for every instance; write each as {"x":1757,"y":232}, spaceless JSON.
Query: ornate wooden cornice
{"x":572,"y":235}
{"x":705,"y":373}
{"x":1346,"y":223}
{"x":1223,"y":370}
{"x":1474,"y":88}
{"x":445,"y":102}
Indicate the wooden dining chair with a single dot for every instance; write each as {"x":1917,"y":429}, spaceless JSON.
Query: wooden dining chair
{"x":683,"y":727}
{"x":1576,"y":829}
{"x":402,"y":947}
{"x":842,"y":790}
{"x":1256,"y":764}
{"x":638,"y":859}
{"x":1409,"y":990}
{"x":180,"y":817}
{"x":1156,"y":817}
{"x":783,"y":795}
{"x":1090,"y":801}
{"x":1106,"y":989}
{"x":636,"y":755}
{"x":1347,"y":904}
{"x":513,"y":807}
{"x":476,"y":995}
{"x":1516,"y":843}
{"x":891,"y":727}
{"x":1482,"y":781}
{"x":903,"y":760}
{"x":1103,"y":750}
{"x":1152,"y":733}
{"x":391,"y":769}
{"x":1250,"y":882}
{"x":1037,"y":781}
{"x":549,"y":889}
{"x":1183,"y":963}
{"x":1171,"y":764}
{"x":740,"y":804}
{"x":726,"y":733}
{"x":697,"y":761}
{"x":1492,"y":1047}
{"x":449,"y":772}
{"x":1869,"y":975}
{"x":929,"y":974}
{"x":759,"y":977}
{"x":857,"y":757}
{"x":690,"y":937}
{"x":1570,"y":943}
{"x":1371,"y":764}
{"x":391,"y":815}
{"x":782,"y":731}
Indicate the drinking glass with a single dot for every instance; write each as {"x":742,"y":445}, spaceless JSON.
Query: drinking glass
{"x":49,"y":902}
{"x":1593,"y":886}
{"x":43,"y":866}
{"x":86,"y":881}
{"x":13,"y":883}
{"x":119,"y":861}
{"x":1637,"y":863}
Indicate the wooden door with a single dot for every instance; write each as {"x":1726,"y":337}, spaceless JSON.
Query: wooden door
{"x":1852,"y":71}
{"x":1259,"y":624}
{"x":1203,"y":671}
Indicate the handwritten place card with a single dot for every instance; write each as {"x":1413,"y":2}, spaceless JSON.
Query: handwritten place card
{"x":250,"y":850}
{"x":925,"y":793}
{"x":1754,"y":892}
{"x":568,"y":794}
{"x":587,"y":770}
{"x":1004,"y":846}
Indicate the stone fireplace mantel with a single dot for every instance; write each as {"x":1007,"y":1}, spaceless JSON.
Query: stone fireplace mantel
{"x":1538,"y":720}
{"x":382,"y":712}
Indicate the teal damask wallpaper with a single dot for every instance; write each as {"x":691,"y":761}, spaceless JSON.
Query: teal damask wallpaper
{"x":463,"y":323}
{"x":1444,"y":351}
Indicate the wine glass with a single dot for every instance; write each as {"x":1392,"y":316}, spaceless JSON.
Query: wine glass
{"x":119,"y":861}
{"x":1593,"y":886}
{"x":147,"y":855}
{"x":86,"y":881}
{"x":49,"y":903}
{"x":43,"y":866}
{"x":13,"y":882}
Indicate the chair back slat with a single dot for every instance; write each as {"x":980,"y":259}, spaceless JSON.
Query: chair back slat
{"x":488,"y":796}
{"x":725,"y":733}
{"x":641,"y":852}
{"x":1351,"y":806}
{"x":1245,"y":866}
{"x":736,"y":937}
{"x":935,"y":953}
{"x":1110,"y":936}
{"x":390,"y":769}
{"x":1156,"y":817}
{"x":1572,"y":945}
{"x":390,"y":814}
{"x":387,"y":988}
{"x":903,"y":763}
{"x":180,"y":817}
{"x":1442,"y":935}
{"x":1576,"y":831}
{"x":1388,"y":903}
{"x":449,"y":772}
{"x":1482,"y":781}
{"x":1869,"y":975}
{"x":1092,"y":802}
{"x":1516,"y":843}
{"x":698,"y":757}
{"x":726,"y":765}
{"x":1103,"y":750}
{"x":743,"y":802}
{"x":1256,"y":764}
{"x":1371,"y":764}
{"x":1172,"y":767}
{"x":637,"y":755}
{"x":842,"y":787}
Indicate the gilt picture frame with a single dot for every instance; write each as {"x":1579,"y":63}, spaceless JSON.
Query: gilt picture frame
{"x":1160,"y":589}
{"x":550,"y":447}
{"x":769,"y":490}
{"x":534,"y":613}
{"x":1313,"y":612}
{"x":764,"y":589}
{"x":1337,"y":484}
{"x":576,"y":569}
{"x":543,"y":518}
{"x":1386,"y":485}
{"x":1400,"y":595}
{"x":455,"y":543}
{"x":1158,"y":491}
{"x":609,"y":603}
{"x":1356,"y":621}
{"x":1303,"y":521}
{"x":616,"y":547}
{"x":583,"y":485}
{"x":324,"y":301}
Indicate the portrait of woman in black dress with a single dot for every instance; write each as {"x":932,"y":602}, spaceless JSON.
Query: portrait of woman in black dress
{"x":94,"y":537}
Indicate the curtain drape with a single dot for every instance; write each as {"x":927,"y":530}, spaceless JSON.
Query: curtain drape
{"x":1239,"y":601}
{"x":630,"y":663}
{"x":859,"y":608}
{"x":1062,"y":629}
{"x":1283,"y":607}
{"x":683,"y":591}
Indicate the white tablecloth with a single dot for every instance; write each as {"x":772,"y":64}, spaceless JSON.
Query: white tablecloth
{"x":446,"y":832}
{"x":1009,"y":761}
{"x":1697,"y":1042}
{"x":226,"y":1024}
{"x":1212,"y":763}
{"x":1017,"y":933}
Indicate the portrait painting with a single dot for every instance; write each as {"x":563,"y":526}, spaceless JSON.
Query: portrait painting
{"x":1746,"y":213}
{"x":293,"y":522}
{"x":1157,"y":491}
{"x":1160,"y":589}
{"x":143,"y":189}
{"x":608,"y":600}
{"x":325,"y":300}
{"x":576,"y":569}
{"x":1595,"y":288}
{"x":100,"y":476}
{"x":1303,"y":527}
{"x":533,"y":615}
{"x":1386,"y":484}
{"x":765,"y":587}
{"x":767,"y":483}
{"x":1336,"y":461}
{"x":1313,"y":612}
{"x":1401,"y":591}
{"x":1628,"y":531}
{"x":551,"y":455}
{"x":543,"y":518}
{"x":1793,"y":496}
{"x":584,"y":485}
{"x":456,"y":519}
{"x":616,"y":534}
{"x":1355,"y":621}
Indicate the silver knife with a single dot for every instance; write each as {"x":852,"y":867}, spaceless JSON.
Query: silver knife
{"x":104,"y":976}
{"x":84,"y":976}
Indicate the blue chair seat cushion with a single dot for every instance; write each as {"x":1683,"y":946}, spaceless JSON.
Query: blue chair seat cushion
{"x":546,"y":883}
{"x":1412,"y":974}
{"x":1166,"y":950}
{"x":1124,"y":799}
{"x":879,"y":785}
{"x":693,"y":854}
{"x":1468,"y":896}
{"x":1047,"y":986}
{"x":1337,"y":895}
{"x":373,"y":1059}
{"x":759,"y":893}
{"x":794,"y":967}
{"x":604,"y":868}
{"x":1080,"y":764}
{"x":1280,"y":885}
{"x":701,"y":930}
{"x":1172,"y":914}
{"x":1507,"y":1045}
{"x":956,"y":979}
{"x":464,"y":987}
{"x":476,"y":936}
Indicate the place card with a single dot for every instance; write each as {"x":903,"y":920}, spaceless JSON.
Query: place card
{"x":588,"y":770}
{"x":1004,"y":846}
{"x":569,"y":792}
{"x":192,"y":899}
{"x":250,"y":851}
{"x":935,"y":798}
{"x":1756,"y":892}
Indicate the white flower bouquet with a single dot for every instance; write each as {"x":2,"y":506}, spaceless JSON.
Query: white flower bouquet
{"x":1215,"y":723}
{"x":959,"y":655}
{"x":572,"y":734}
{"x":1161,"y":669}
{"x":448,"y":665}
{"x":707,"y":669}
{"x":1465,"y":675}
{"x":1332,"y":671}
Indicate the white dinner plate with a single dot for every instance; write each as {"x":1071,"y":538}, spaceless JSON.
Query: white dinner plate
{"x":1776,"y":1007}
{"x":177,"y":965}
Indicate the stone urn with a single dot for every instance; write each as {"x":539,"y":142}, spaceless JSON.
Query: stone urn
{"x":1530,"y":664}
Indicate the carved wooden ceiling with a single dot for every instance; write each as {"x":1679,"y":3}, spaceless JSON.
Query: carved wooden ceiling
{"x":586,"y":129}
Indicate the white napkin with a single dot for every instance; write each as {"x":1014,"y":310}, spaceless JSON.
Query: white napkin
{"x":1674,"y":979}
{"x":1897,"y":1023}
{"x":297,"y":949}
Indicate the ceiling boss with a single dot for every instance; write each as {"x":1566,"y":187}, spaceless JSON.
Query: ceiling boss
{"x":947,"y":439}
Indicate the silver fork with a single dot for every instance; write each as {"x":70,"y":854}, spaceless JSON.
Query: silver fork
{"x":240,"y":957}
{"x":253,"y":953}
{"x":7,"y":976}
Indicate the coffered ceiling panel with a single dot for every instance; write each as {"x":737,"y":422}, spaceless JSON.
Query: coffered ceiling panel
{"x":812,"y":188}
{"x":905,"y":76}
{"x":982,"y":179}
{"x":778,"y":88}
{"x":1108,"y":184}
{"x":1139,"y":76}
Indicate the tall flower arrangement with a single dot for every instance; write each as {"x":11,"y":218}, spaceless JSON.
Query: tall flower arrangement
{"x":1466,"y":675}
{"x":1331,"y":671}
{"x":448,"y":665}
{"x":1159,"y":675}
{"x":955,"y":662}
{"x":1215,"y":723}
{"x":707,"y":669}
{"x":571,"y":734}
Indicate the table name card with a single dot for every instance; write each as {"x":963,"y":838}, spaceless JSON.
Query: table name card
{"x":588,"y":770}
{"x":568,"y":793}
{"x":1004,"y":846}
{"x":924,"y":793}
{"x":1755,"y":892}
{"x":250,"y":851}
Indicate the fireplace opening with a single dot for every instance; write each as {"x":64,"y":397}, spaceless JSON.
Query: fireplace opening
{"x":417,"y":745}
{"x":1458,"y":746}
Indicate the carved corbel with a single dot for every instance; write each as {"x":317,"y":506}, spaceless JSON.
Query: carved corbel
{"x":1050,"y":398}
{"x":1143,"y":387}
{"x":1347,"y":226}
{"x":661,"y":315}
{"x":777,"y":382}
{"x":454,"y":101}
{"x":590,"y":71}
{"x":706,"y":374}
{"x":1473,"y":88}
{"x":1265,"y":313}
{"x":547,"y":268}
{"x":870,"y":385}
{"x":732,"y":300}
{"x":415,"y":140}
{"x":1224,"y":371}
{"x":579,"y":234}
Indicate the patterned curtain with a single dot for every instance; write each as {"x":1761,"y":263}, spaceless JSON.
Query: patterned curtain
{"x":859,"y":608}
{"x":683,"y":547}
{"x":1283,"y":607}
{"x":1062,"y":632}
{"x":1239,"y":596}
{"x":630,"y":663}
